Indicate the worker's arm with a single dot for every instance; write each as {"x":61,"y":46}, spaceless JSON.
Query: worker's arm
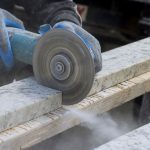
{"x":60,"y":14}
{"x":7,"y":5}
{"x":51,"y":11}
{"x":7,"y":19}
{"x":40,"y":11}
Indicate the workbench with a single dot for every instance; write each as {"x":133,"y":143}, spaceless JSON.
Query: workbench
{"x":125,"y":75}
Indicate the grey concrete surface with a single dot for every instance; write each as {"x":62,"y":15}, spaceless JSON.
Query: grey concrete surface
{"x":25,"y":100}
{"x":138,"y":139}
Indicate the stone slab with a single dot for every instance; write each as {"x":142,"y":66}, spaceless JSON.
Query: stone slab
{"x":138,"y":139}
{"x":123,"y":63}
{"x":25,"y":100}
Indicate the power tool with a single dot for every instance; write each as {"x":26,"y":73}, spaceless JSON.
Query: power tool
{"x":63,"y":57}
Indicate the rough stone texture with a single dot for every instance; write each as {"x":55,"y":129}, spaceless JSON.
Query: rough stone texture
{"x":138,"y":139}
{"x":24,"y":100}
{"x":122,"y":64}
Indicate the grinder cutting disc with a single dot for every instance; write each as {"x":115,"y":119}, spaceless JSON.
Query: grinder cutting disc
{"x":62,"y":61}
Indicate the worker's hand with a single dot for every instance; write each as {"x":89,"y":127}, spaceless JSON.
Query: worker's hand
{"x":6,"y":54}
{"x":90,"y":41}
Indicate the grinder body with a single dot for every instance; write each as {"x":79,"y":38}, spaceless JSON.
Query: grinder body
{"x":62,"y":59}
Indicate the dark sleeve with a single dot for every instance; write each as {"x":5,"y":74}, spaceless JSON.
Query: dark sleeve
{"x":51,"y":11}
{"x":7,"y":5}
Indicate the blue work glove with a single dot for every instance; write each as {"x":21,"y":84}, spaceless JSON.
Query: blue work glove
{"x":90,"y":41}
{"x":6,"y":54}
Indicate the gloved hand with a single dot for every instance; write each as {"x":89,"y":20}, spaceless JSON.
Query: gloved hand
{"x":90,"y":41}
{"x":6,"y":54}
